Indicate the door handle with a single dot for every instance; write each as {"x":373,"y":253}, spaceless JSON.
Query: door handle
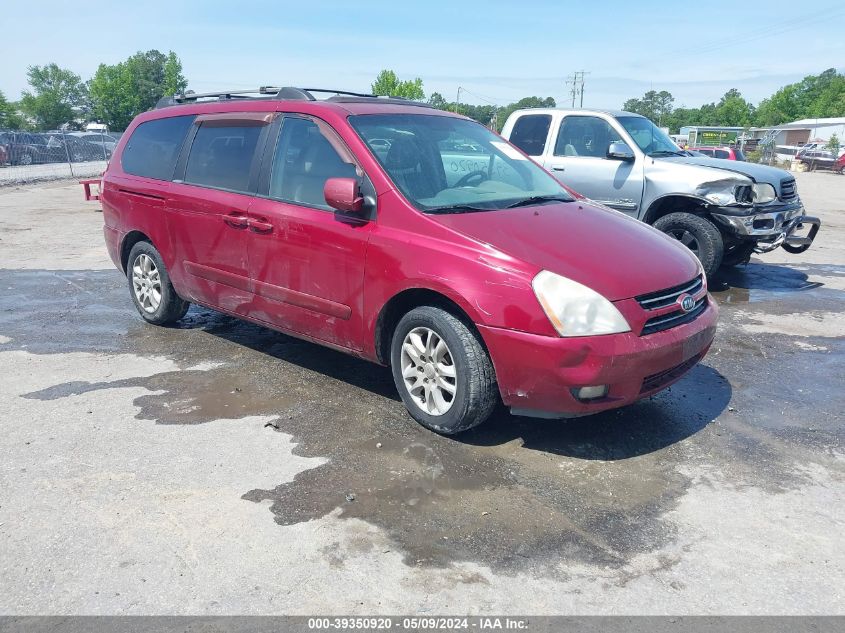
{"x":236,"y":221}
{"x":558,"y":168}
{"x":259,"y":226}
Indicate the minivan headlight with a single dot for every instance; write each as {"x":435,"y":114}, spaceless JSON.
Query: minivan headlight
{"x":764,"y":192}
{"x":574,"y":309}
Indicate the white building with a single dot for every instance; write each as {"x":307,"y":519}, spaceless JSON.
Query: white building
{"x":790,"y":137}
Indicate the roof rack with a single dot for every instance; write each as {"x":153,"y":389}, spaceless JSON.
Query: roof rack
{"x":272,"y":92}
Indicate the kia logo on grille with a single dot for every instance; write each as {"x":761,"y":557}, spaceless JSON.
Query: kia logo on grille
{"x":687,"y":302}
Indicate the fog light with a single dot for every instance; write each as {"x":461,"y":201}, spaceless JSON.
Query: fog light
{"x":593,"y":392}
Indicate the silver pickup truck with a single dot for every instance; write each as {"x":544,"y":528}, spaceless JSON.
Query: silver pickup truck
{"x":722,"y":210}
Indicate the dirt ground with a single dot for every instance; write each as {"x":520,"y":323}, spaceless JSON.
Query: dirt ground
{"x":205,"y":469}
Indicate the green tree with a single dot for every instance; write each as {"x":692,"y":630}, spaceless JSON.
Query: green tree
{"x":733,"y":110}
{"x":9,"y":117}
{"x":389,"y":85}
{"x":815,"y":96}
{"x":436,"y":100}
{"x":174,"y":81}
{"x":120,"y":92}
{"x":57,"y":96}
{"x":654,"y":105}
{"x":833,"y":143}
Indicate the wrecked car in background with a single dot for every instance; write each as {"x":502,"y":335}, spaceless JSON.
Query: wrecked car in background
{"x":722,"y":210}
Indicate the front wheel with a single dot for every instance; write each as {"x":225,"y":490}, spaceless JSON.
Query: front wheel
{"x":150,"y":287}
{"x":442,"y":371}
{"x":697,"y":234}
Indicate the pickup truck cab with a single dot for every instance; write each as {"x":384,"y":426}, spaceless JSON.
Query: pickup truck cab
{"x":722,"y":210}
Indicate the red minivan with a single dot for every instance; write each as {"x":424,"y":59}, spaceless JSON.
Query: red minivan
{"x":408,"y":236}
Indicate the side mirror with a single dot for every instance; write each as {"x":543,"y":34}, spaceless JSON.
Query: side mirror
{"x":343,"y":194}
{"x":620,"y":151}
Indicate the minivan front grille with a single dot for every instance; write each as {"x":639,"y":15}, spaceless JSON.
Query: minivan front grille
{"x":674,"y":319}
{"x":788,"y":190}
{"x":663,"y":298}
{"x":669,"y":297}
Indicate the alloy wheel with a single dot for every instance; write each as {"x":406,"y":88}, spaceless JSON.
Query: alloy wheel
{"x":428,"y":371}
{"x":146,"y":283}
{"x":686,"y":238}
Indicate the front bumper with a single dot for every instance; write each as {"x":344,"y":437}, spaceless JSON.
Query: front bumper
{"x":771,"y":228}
{"x":759,"y":222}
{"x":537,"y":373}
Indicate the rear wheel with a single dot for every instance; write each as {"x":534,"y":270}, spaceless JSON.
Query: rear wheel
{"x":150,"y":287}
{"x":697,"y":234}
{"x":442,"y":371}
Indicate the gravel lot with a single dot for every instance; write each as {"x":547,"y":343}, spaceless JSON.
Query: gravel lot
{"x":204,"y":469}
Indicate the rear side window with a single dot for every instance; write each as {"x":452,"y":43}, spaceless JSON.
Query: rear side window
{"x":720,"y":153}
{"x":529,"y":133}
{"x":154,"y":146}
{"x":222,"y":155}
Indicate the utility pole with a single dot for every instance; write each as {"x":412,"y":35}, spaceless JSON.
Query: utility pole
{"x":576,"y":81}
{"x":582,"y":87}
{"x":458,"y":99}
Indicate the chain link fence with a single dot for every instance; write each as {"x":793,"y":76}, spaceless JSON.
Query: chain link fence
{"x":27,"y":156}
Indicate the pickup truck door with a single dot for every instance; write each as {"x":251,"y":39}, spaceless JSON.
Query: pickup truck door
{"x":577,"y":156}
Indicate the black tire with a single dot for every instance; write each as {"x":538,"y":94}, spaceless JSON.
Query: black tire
{"x":739,"y":254}
{"x":171,"y":307}
{"x":698,"y":234}
{"x":476,"y":393}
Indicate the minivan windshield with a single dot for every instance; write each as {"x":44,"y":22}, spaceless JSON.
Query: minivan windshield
{"x":448,"y":165}
{"x":649,"y":138}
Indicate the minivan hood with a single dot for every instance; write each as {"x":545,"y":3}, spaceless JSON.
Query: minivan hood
{"x":758,"y":173}
{"x":613,"y":254}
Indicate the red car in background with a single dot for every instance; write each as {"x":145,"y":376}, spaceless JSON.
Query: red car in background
{"x":727,"y":153}
{"x":404,"y":235}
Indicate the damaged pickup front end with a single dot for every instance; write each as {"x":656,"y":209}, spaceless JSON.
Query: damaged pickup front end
{"x":761,"y":215}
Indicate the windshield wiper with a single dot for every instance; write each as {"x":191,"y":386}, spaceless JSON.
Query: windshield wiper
{"x":457,"y":208}
{"x":527,"y":202}
{"x":666,"y":152}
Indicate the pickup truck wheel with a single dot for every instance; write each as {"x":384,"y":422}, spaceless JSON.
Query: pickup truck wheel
{"x":697,"y":234}
{"x":150,"y":287}
{"x":442,"y":371}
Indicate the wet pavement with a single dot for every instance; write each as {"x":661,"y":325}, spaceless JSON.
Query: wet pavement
{"x":598,"y":508}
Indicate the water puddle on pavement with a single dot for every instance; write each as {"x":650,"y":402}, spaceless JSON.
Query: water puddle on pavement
{"x":515,"y":494}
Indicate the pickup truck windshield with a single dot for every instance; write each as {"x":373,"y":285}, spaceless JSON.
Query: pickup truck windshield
{"x":649,"y":138}
{"x":448,"y":165}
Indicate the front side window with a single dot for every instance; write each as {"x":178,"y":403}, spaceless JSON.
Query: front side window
{"x":649,"y":138}
{"x":585,"y":136}
{"x":222,"y":154}
{"x":720,"y":153}
{"x":447,"y":164}
{"x":529,"y":133}
{"x":154,"y":146}
{"x":307,"y":154}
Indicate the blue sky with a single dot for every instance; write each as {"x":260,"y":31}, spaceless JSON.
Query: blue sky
{"x":496,"y":51}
